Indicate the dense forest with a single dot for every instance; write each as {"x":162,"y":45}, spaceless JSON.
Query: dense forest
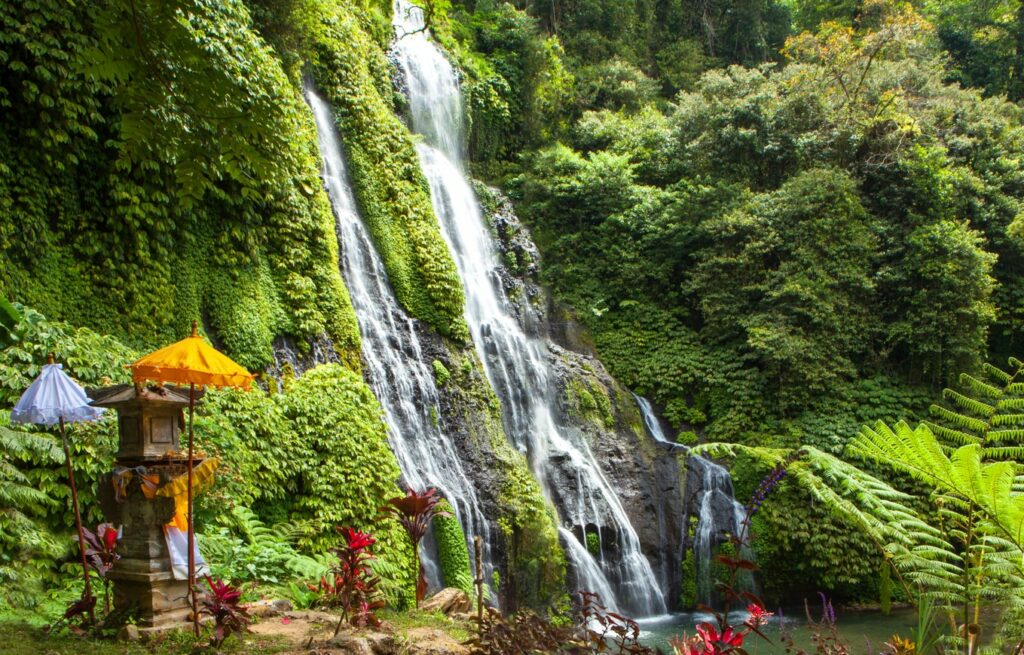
{"x":796,"y":227}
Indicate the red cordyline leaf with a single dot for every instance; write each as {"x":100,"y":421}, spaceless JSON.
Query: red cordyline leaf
{"x":356,"y":540}
{"x":415,"y":511}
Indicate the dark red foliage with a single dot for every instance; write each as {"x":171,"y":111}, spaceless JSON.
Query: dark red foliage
{"x":222,"y":602}
{"x":101,"y":547}
{"x":80,"y":607}
{"x":353,"y":584}
{"x":595,"y":630}
{"x":415,"y":511}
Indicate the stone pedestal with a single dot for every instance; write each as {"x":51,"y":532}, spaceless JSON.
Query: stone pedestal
{"x":144,"y":587}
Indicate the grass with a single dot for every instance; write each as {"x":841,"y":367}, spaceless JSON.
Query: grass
{"x":19,"y":637}
{"x":411,"y":619}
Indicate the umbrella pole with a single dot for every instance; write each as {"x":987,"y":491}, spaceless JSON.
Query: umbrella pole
{"x":78,"y":521}
{"x":191,"y":525}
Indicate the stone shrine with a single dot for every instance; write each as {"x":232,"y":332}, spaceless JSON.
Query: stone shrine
{"x":150,"y":419}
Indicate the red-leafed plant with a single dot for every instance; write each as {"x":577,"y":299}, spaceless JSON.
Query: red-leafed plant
{"x":352,"y":586}
{"x":222,"y":603}
{"x":101,"y":553}
{"x":415,"y":511}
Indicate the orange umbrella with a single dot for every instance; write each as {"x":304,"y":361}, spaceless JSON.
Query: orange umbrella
{"x":191,"y":361}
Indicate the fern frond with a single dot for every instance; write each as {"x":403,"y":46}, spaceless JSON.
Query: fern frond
{"x":969,"y":404}
{"x":997,"y":373}
{"x":957,"y":437}
{"x":979,"y":387}
{"x":1005,"y":435}
{"x":1007,"y":419}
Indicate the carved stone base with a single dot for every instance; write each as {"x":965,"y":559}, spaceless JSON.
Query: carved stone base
{"x":144,"y":587}
{"x":156,"y":599}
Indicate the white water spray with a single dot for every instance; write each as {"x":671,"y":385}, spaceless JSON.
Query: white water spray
{"x":395,"y":365}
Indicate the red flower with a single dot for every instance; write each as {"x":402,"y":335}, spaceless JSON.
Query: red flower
{"x":109,"y":535}
{"x":716,"y":643}
{"x":758,"y":616}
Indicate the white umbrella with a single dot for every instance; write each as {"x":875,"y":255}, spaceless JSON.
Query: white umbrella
{"x":54,"y":398}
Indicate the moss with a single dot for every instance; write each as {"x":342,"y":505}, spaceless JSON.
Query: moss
{"x":529,"y":526}
{"x":588,"y":399}
{"x":687,"y":438}
{"x":688,"y":595}
{"x":441,"y":374}
{"x":453,"y":552}
{"x":535,"y":567}
{"x":593,"y":544}
{"x":392,"y":192}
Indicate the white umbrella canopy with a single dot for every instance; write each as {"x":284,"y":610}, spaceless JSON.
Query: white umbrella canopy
{"x":54,"y":398}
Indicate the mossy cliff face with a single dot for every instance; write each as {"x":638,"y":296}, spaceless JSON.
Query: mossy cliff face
{"x":133,"y":210}
{"x":353,"y":72}
{"x":525,"y":548}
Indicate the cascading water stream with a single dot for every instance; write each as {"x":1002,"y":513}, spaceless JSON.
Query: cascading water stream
{"x":652,"y":423}
{"x":517,"y":365}
{"x":720,"y":514}
{"x":395,"y":366}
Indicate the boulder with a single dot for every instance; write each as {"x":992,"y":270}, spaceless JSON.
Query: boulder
{"x":129,"y":634}
{"x":265,"y":608}
{"x":430,"y":641}
{"x":350,"y":644}
{"x":448,"y":601}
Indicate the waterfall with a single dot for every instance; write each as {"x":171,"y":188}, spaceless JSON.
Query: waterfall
{"x":718,"y":511}
{"x":517,"y":365}
{"x":394,"y":363}
{"x":652,"y":423}
{"x":720,"y":514}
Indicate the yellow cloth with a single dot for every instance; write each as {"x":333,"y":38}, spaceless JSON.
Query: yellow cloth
{"x":191,"y":361}
{"x":202,"y":477}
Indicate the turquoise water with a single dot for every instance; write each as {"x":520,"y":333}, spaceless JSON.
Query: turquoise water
{"x":864,"y":631}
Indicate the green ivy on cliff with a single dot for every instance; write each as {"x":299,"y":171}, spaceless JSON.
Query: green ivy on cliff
{"x":159,"y":166}
{"x":452,"y":553}
{"x":351,"y":69}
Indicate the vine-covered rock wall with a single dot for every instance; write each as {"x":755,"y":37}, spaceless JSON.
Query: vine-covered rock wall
{"x":160,"y":167}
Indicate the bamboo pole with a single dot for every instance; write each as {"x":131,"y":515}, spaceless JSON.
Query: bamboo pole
{"x":191,"y":525}
{"x":479,"y":581}
{"x":78,"y":520}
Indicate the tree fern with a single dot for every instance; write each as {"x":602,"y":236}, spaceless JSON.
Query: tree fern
{"x":987,"y":410}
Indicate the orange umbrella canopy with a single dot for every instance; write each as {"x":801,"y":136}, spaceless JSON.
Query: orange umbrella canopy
{"x":191,"y":361}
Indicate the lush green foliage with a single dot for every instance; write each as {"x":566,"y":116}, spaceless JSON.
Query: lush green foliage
{"x":980,"y":516}
{"x":802,"y":547}
{"x":159,"y":166}
{"x":298,"y":458}
{"x":452,"y":552}
{"x":781,"y":239}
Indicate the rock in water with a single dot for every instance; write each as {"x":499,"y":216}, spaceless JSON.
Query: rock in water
{"x":448,"y":601}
